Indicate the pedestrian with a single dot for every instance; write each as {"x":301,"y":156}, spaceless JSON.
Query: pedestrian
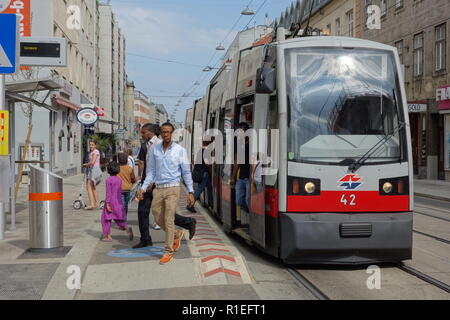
{"x":167,"y":163}
{"x":242,"y":181}
{"x":149,"y":133}
{"x":131,"y":161}
{"x":94,"y":175}
{"x":127,"y":177}
{"x":201,"y":175}
{"x":113,"y":209}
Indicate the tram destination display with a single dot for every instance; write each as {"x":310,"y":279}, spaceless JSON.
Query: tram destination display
{"x":43,"y":51}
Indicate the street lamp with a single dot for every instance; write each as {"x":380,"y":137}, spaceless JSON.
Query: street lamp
{"x":220,"y":47}
{"x":196,"y":83}
{"x":207,"y":69}
{"x":247,"y":11}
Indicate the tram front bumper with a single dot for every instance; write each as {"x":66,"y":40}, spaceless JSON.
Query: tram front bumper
{"x":335,"y":238}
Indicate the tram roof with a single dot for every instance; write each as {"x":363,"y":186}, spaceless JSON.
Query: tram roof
{"x":332,"y":41}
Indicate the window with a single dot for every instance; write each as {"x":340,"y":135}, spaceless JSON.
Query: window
{"x":441,"y":44}
{"x":338,"y":26}
{"x":399,"y":46}
{"x":350,"y":23}
{"x":383,"y":7}
{"x":329,"y":29}
{"x":418,"y":55}
{"x":398,"y":4}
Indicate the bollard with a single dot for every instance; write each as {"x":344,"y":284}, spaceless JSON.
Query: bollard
{"x":46,"y":209}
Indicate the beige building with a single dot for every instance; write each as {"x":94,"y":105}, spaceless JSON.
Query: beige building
{"x":419,"y":30}
{"x":337,"y":17}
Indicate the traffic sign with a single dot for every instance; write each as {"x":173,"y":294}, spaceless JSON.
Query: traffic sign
{"x":9,"y":43}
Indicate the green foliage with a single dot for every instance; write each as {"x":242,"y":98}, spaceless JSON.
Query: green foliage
{"x":104,"y":141}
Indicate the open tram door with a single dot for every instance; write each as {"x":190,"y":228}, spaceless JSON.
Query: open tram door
{"x":257,"y":224}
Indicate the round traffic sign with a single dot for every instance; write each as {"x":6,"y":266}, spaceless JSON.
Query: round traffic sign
{"x":87,"y":116}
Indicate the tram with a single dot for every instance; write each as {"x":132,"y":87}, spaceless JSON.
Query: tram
{"x":335,"y":112}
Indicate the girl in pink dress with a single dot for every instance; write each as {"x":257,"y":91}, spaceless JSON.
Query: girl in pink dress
{"x":113,"y":209}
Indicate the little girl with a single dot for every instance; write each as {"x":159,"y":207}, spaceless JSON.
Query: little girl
{"x":113,"y":209}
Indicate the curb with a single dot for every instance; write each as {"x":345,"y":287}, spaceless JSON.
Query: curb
{"x":424,"y":195}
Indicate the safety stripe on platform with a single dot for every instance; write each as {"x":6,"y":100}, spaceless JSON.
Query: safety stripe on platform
{"x":221,"y":269}
{"x":218,"y":257}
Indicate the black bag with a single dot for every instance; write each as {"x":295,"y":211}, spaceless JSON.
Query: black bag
{"x":197,"y":173}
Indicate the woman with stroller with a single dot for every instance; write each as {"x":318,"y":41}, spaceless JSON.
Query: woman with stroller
{"x":94,"y":175}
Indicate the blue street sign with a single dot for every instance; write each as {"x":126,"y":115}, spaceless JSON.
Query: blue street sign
{"x":9,"y":43}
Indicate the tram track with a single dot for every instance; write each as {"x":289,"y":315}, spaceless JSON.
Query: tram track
{"x":432,"y":237}
{"x":431,"y":216}
{"x":315,"y":291}
{"x":424,"y":277}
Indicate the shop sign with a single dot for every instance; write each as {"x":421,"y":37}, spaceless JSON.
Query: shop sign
{"x":443,"y":97}
{"x":87,"y":116}
{"x":417,"y":107}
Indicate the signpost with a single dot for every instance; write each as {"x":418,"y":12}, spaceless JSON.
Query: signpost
{"x":88,"y":117}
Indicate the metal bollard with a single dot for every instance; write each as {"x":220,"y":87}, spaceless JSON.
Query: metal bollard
{"x":46,"y":209}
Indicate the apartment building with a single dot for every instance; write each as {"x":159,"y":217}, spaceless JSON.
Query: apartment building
{"x":334,"y":17}
{"x":419,"y":29}
{"x":143,"y":109}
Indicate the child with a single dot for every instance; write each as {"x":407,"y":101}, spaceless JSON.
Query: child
{"x":113,"y":209}
{"x":127,"y":176}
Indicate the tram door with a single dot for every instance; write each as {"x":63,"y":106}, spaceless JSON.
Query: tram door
{"x":227,"y":194}
{"x":257,"y":185}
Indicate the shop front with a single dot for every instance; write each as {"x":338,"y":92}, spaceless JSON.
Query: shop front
{"x":418,"y":122}
{"x":443,"y":100}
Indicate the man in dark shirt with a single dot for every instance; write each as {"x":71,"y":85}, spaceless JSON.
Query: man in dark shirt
{"x":149,"y":134}
{"x":243,"y":181}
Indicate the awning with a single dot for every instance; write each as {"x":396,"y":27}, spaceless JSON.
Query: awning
{"x":65,"y":103}
{"x":15,"y":89}
{"x":32,"y":85}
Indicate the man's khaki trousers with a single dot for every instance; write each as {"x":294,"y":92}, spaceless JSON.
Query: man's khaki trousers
{"x":164,"y":203}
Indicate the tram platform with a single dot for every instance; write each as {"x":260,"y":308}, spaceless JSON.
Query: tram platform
{"x":434,"y":189}
{"x":208,"y":267}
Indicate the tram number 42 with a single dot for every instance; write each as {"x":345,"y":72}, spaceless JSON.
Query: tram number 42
{"x":350,"y":200}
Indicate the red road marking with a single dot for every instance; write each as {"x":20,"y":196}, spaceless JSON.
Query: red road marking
{"x":218,"y":257}
{"x":205,"y":234}
{"x":225,"y":270}
{"x":210,"y":244}
{"x":214,"y":249}
{"x":205,"y":230}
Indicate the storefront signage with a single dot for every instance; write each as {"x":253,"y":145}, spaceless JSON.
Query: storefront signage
{"x":443,"y":97}
{"x":87,"y":116}
{"x":417,"y":107}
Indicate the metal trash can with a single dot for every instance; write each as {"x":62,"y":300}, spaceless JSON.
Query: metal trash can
{"x":46,"y":209}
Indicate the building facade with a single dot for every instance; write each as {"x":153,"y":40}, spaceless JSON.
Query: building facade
{"x":57,"y":137}
{"x":142,"y":109}
{"x":419,"y":29}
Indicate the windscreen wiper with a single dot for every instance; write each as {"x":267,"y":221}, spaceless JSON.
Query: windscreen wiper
{"x":358,"y":164}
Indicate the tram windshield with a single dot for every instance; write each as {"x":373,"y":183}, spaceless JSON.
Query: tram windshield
{"x":341,"y":103}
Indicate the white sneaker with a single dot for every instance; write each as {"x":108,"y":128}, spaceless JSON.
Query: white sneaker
{"x":156,"y":227}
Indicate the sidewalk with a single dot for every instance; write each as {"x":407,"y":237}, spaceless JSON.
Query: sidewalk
{"x":208,"y":267}
{"x":434,"y":189}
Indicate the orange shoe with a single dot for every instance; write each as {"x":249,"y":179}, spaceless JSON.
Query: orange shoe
{"x":177,"y":243}
{"x":166,"y":258}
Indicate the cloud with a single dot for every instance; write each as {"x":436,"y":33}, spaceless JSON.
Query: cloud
{"x":165,"y":33}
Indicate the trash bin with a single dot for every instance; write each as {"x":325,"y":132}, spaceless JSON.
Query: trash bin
{"x":46,"y":209}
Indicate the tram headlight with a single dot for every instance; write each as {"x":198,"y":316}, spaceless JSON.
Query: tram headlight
{"x":310,"y":187}
{"x":387,"y":187}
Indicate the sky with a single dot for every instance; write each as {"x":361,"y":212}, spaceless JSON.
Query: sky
{"x":184,"y":31}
